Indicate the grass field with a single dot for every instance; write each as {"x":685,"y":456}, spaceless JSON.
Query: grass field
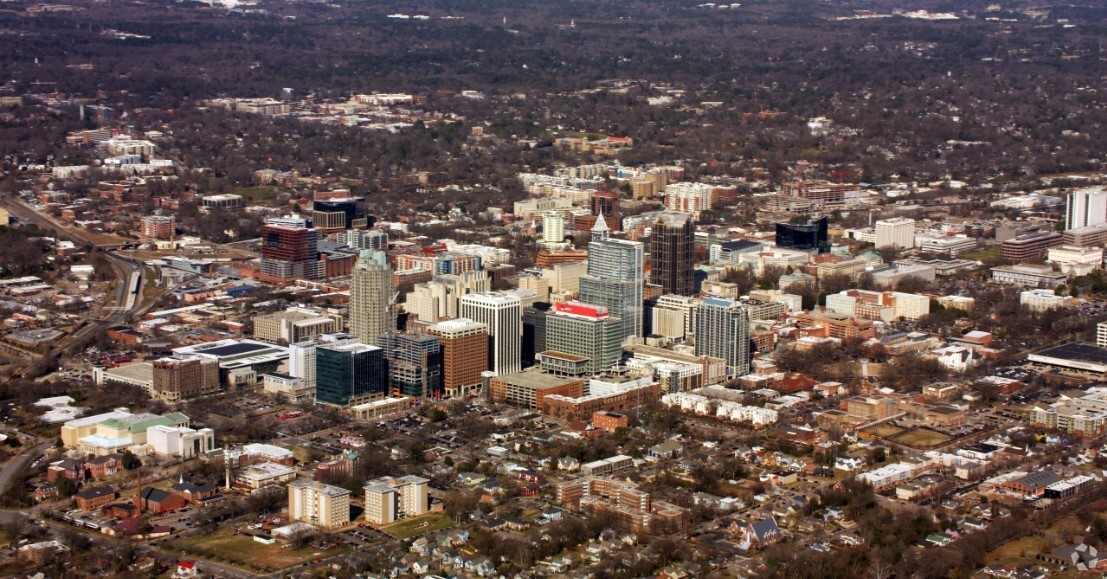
{"x":409,"y":528}
{"x":884,"y":430}
{"x":981,"y":254}
{"x":922,"y":438}
{"x":255,"y":193}
{"x":225,"y":546}
{"x":1019,"y":552}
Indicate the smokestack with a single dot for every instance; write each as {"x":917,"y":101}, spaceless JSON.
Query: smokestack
{"x":227,"y":463}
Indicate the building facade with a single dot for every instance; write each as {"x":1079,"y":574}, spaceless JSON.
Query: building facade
{"x":318,"y":504}
{"x":349,"y":374}
{"x":371,"y":297}
{"x":672,"y":258}
{"x":464,"y":354}
{"x":502,"y":314}
{"x":723,"y":331}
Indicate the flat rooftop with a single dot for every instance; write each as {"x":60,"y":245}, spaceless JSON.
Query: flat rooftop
{"x":1087,"y":356}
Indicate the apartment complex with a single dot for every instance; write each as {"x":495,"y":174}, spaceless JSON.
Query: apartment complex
{"x":898,"y":232}
{"x":295,"y":325}
{"x":183,"y":377}
{"x":723,"y":331}
{"x":389,"y":499}
{"x":318,"y":504}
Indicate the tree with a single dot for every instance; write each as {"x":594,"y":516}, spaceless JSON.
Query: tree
{"x":66,"y":486}
{"x":129,"y":460}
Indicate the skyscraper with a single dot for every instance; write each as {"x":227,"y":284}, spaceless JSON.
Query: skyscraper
{"x":553,"y":227}
{"x":607,"y":203}
{"x":615,"y":277}
{"x":290,"y":250}
{"x":502,"y":313}
{"x":587,"y":331}
{"x":349,"y":374}
{"x":672,"y":243}
{"x":810,"y":235}
{"x":414,"y":365}
{"x":370,"y":297}
{"x":464,"y":354}
{"x":723,"y":331}
{"x":1086,"y":206}
{"x":898,"y":232}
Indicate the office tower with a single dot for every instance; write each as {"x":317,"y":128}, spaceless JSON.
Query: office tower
{"x":349,"y":374}
{"x":672,"y":243}
{"x":428,"y":302}
{"x":183,"y":377}
{"x":318,"y":504}
{"x":464,"y":354}
{"x":371,"y":314}
{"x":607,"y":203}
{"x":414,"y":365}
{"x":339,"y":214}
{"x":301,"y":355}
{"x":553,"y":227}
{"x":388,"y":499}
{"x":502,"y":313}
{"x":290,"y":250}
{"x":587,"y":331}
{"x":723,"y":331}
{"x":1087,"y":206}
{"x":534,"y":331}
{"x":157,"y":227}
{"x":810,"y":235}
{"x":898,"y":232}
{"x":615,"y":278}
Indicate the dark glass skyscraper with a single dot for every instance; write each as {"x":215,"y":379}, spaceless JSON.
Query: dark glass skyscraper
{"x":672,"y":246}
{"x":810,"y":235}
{"x":349,"y":374}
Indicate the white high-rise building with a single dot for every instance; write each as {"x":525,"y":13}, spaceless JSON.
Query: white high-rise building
{"x":429,"y":302}
{"x":723,"y":331}
{"x":502,"y":312}
{"x":388,"y":499}
{"x":615,"y":278}
{"x":1086,"y":206}
{"x":1101,"y":334}
{"x":553,"y":227}
{"x":370,"y":297}
{"x":318,"y":504}
{"x":896,"y":232}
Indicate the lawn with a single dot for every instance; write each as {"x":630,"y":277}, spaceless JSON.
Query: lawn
{"x":224,"y":546}
{"x":883,"y":430}
{"x":409,"y":528}
{"x":922,"y":438}
{"x":254,"y":193}
{"x":991,"y":251}
{"x":1019,"y":552}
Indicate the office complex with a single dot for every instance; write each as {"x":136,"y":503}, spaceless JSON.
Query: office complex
{"x":806,"y":236}
{"x":318,"y":504}
{"x":502,"y":314}
{"x":898,"y":232}
{"x":464,"y":354}
{"x":349,"y":374}
{"x":672,"y":243}
{"x":295,"y":325}
{"x":301,"y":356}
{"x":723,"y":331}
{"x":290,"y":250}
{"x":534,"y":331}
{"x":587,"y":331}
{"x":1086,"y":207}
{"x":414,"y":365}
{"x":388,"y":499}
{"x":615,"y":278}
{"x":371,"y":297}
{"x":183,"y":377}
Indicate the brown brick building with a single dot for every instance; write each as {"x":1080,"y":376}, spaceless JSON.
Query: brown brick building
{"x":464,"y":354}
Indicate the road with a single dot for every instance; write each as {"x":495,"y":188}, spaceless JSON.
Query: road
{"x":14,"y":469}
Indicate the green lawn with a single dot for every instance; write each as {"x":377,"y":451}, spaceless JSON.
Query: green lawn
{"x":409,"y":528}
{"x":922,"y":438}
{"x":982,"y":254}
{"x":254,"y":193}
{"x":224,"y":546}
{"x":883,"y":430}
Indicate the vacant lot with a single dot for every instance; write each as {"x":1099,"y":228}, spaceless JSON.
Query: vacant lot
{"x":225,"y":546}
{"x":409,"y":528}
{"x":922,"y":438}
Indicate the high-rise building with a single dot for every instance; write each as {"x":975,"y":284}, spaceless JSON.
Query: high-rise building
{"x":290,"y":250}
{"x":414,"y":365}
{"x":553,"y":226}
{"x":672,"y":246}
{"x":437,"y":299}
{"x":339,"y":214}
{"x":615,"y":278}
{"x":502,"y":313}
{"x":301,"y":356}
{"x":371,"y":297}
{"x":607,"y":203}
{"x":688,"y":197}
{"x":364,"y":239}
{"x":673,"y":316}
{"x":388,"y":499}
{"x":534,"y":331}
{"x":184,"y":377}
{"x":723,"y":331}
{"x":295,"y":325}
{"x":318,"y":504}
{"x":349,"y":374}
{"x":898,"y":232}
{"x":1086,"y":207}
{"x":464,"y":354}
{"x":810,"y":235}
{"x":587,"y":331}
